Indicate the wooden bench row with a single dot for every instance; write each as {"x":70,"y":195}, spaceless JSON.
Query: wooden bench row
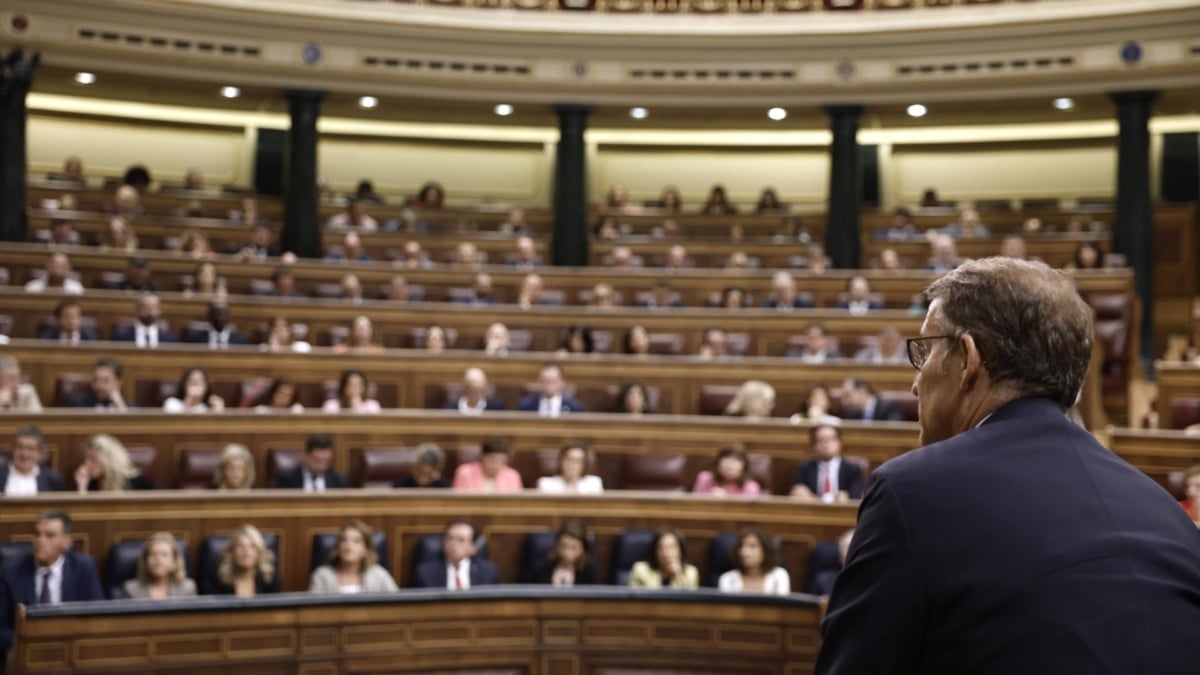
{"x":1176,"y":383}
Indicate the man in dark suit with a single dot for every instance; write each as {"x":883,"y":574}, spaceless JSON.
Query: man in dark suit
{"x":1012,"y":542}
{"x":860,"y":402}
{"x":826,"y":477}
{"x":146,"y":333}
{"x":220,"y":333}
{"x":68,"y":327}
{"x":550,"y":399}
{"x":23,"y":476}
{"x":455,"y":569}
{"x":474,"y":399}
{"x":857,"y":298}
{"x":105,"y":390}
{"x":316,"y":473}
{"x":48,"y":575}
{"x":784,"y":296}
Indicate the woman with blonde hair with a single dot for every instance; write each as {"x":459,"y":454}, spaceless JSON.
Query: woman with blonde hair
{"x":107,"y":468}
{"x":160,"y":573}
{"x":754,"y":400}
{"x":235,"y":470}
{"x":247,"y":566}
{"x":353,"y":566}
{"x":118,"y":236}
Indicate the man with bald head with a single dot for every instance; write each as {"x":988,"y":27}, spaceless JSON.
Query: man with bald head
{"x":1012,"y":542}
{"x":474,"y":399}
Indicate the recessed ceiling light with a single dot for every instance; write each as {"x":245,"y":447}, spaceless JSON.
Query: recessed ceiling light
{"x":231,"y":92}
{"x":368,"y":102}
{"x":777,"y":114}
{"x":917,"y":110}
{"x":639,"y":113}
{"x":1064,"y":103}
{"x":503,"y":109}
{"x":85,"y":78}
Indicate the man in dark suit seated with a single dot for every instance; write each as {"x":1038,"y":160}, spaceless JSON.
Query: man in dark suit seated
{"x":48,"y":575}
{"x":23,"y":476}
{"x":138,"y":277}
{"x":784,"y":296}
{"x":220,"y":333}
{"x":146,"y":333}
{"x":858,"y":300}
{"x":816,"y":347}
{"x":826,"y":477}
{"x":474,"y":399}
{"x":1012,"y":542}
{"x":105,"y":390}
{"x":550,"y":400}
{"x":68,"y":326}
{"x":661,"y":297}
{"x":860,"y":402}
{"x":455,"y":569}
{"x":316,"y":472}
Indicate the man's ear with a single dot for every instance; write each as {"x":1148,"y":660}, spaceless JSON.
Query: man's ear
{"x":972,"y":367}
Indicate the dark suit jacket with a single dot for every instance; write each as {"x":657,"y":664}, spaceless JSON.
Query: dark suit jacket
{"x":294,"y":479}
{"x":129,"y":334}
{"x":530,"y":404}
{"x":48,"y":480}
{"x":86,"y":399}
{"x":850,"y":477}
{"x":18,"y":586}
{"x":432,"y":573}
{"x":543,"y":573}
{"x":1020,"y":546}
{"x":200,"y":337}
{"x":887,"y":410}
{"x":493,"y":403}
{"x":410,"y":482}
{"x":261,"y":586}
{"x":53,"y":333}
{"x":801,"y":302}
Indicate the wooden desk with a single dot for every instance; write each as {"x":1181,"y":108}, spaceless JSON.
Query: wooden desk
{"x":1175,"y":380}
{"x":405,"y":516}
{"x":519,"y":630}
{"x":1156,"y":452}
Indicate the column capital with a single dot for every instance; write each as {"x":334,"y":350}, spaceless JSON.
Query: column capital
{"x":1135,"y":96}
{"x":16,"y":74}
{"x":843,"y":109}
{"x":297,"y":95}
{"x":573,"y":108}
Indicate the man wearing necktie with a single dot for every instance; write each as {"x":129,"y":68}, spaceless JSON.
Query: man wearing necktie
{"x":49,"y":574}
{"x":826,"y":477}
{"x":220,"y":333}
{"x":550,"y":400}
{"x":457,"y":569}
{"x":146,"y":333}
{"x":68,"y":329}
{"x":316,"y":472}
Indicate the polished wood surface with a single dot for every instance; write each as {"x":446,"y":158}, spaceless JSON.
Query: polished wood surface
{"x":1175,"y":380}
{"x":505,"y":631}
{"x":1156,"y":452}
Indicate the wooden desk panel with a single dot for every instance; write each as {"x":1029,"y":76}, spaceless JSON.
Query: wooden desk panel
{"x":492,"y":631}
{"x":1156,"y":452}
{"x":1175,"y":380}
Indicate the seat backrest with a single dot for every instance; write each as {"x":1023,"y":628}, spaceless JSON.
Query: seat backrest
{"x":381,"y":466}
{"x":67,"y":385}
{"x":1185,"y":411}
{"x":143,"y":458}
{"x":208,"y":559}
{"x":738,"y":344}
{"x":714,"y":398}
{"x":323,"y":543}
{"x":628,"y":548}
{"x":11,"y":550}
{"x":653,"y":472}
{"x":429,"y":547}
{"x":666,"y":343}
{"x":418,"y":337}
{"x":122,"y":561}
{"x":280,"y":460}
{"x":197,"y":467}
{"x":152,"y":393}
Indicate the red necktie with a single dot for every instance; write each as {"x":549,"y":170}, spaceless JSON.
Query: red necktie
{"x":458,"y":579}
{"x":827,"y":484}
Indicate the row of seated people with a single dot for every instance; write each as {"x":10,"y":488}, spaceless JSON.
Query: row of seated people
{"x":827,"y":476}
{"x":354,"y":559}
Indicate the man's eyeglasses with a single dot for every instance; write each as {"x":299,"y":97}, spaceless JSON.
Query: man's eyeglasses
{"x":918,"y":350}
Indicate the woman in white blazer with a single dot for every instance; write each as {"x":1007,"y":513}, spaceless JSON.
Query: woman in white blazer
{"x":754,"y":569}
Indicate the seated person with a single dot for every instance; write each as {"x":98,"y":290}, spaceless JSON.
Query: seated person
{"x":571,"y":478}
{"x":817,"y":347}
{"x":260,"y":245}
{"x":235,"y":469}
{"x":969,"y":226}
{"x":247,"y":566}
{"x":530,"y":292}
{"x":281,"y":338}
{"x":783,"y":294}
{"x":754,"y":400}
{"x":525,"y":256}
{"x":68,"y":327}
{"x":667,"y":566}
{"x":1013,"y":246}
{"x":72,"y":172}
{"x":491,"y":473}
{"x":316,"y":472}
{"x":730,"y":475}
{"x":858,"y":297}
{"x":495,"y":340}
{"x":661,"y":297}
{"x":860,"y":402}
{"x":483,"y":292}
{"x":474,"y":399}
{"x":107,"y":467}
{"x":569,"y":562}
{"x":280,"y":397}
{"x":456,"y":569}
{"x":105,"y":390}
{"x":821,"y":583}
{"x":362,"y":336}
{"x":888,"y":348}
{"x":146,"y":333}
{"x":16,"y":395}
{"x":355,"y":217}
{"x":398,"y":290}
{"x":817,"y":407}
{"x":714,"y":344}
{"x":577,"y":340}
{"x":49,"y":574}
{"x":353,"y":566}
{"x":636,"y":341}
{"x":428,"y":463}
{"x":436,"y":341}
{"x":160,"y":571}
{"x":825,"y":477}
{"x":633,"y":400}
{"x":677,"y":259}
{"x":57,"y":276}
{"x":194,"y":394}
{"x":23,"y":475}
{"x":351,"y":250}
{"x":413,"y":257}
{"x":944,"y":254}
{"x":63,"y":233}
{"x":138,"y":277}
{"x":352,"y":395}
{"x":284,"y":281}
{"x":550,"y":399}
{"x":1191,"y":500}
{"x":754,"y":567}
{"x":220,"y":334}
{"x":352,"y":290}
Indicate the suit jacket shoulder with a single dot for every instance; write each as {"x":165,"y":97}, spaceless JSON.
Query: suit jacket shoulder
{"x":528,"y":403}
{"x":483,"y":573}
{"x":292,"y":478}
{"x":431,"y":574}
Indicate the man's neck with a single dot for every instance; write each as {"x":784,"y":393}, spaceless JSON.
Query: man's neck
{"x":33,"y":471}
